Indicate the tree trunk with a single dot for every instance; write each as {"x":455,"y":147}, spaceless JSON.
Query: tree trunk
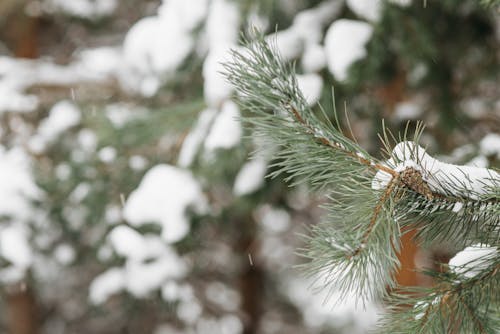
{"x":22,"y":310}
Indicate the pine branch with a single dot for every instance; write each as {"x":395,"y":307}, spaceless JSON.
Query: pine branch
{"x":312,"y":149}
{"x":457,"y":305}
{"x":354,"y":251}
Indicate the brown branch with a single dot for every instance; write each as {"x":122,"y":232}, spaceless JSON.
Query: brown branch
{"x":376,"y":212}
{"x":325,"y":141}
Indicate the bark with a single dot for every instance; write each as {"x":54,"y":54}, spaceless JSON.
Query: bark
{"x":23,"y":317}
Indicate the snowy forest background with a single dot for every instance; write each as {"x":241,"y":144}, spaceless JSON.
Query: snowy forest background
{"x":130,"y":201}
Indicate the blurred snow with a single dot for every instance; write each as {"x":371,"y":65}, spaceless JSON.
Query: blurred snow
{"x":120,"y":114}
{"x":130,"y":244}
{"x":344,"y":44}
{"x":251,"y":176}
{"x":226,"y":130}
{"x":407,"y":110}
{"x":311,"y":86}
{"x":149,"y":264}
{"x":490,"y":145}
{"x":156,"y":46}
{"x":137,"y":162}
{"x":87,"y":140}
{"x":63,"y":115}
{"x":15,"y":246}
{"x":106,"y":284}
{"x":372,"y":10}
{"x":321,"y":307}
{"x":65,"y":254}
{"x":189,"y":310}
{"x":314,"y":58}
{"x":17,"y":184}
{"x":88,"y":9}
{"x":223,"y":296}
{"x":80,"y":192}
{"x":369,"y":10}
{"x":107,"y":154}
{"x":222,"y":29}
{"x":273,"y":220}
{"x":17,"y":75}
{"x":195,"y":138}
{"x":145,"y":277}
{"x":472,"y":260}
{"x":103,"y":61}
{"x":163,"y":197}
{"x":306,"y":30}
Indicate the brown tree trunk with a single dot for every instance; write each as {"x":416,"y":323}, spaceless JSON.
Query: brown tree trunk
{"x":251,"y":279}
{"x":18,"y":30}
{"x":407,"y":275}
{"x":22,"y":310}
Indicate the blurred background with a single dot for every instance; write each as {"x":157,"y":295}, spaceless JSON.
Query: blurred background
{"x":130,"y":201}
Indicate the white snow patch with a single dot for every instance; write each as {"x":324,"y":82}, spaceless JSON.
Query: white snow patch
{"x":144,"y":277}
{"x":170,"y":291}
{"x":287,"y":42}
{"x":79,"y":193}
{"x":369,"y":10}
{"x":457,"y":207}
{"x":17,"y":184}
{"x":137,"y":162}
{"x":130,"y":244}
{"x":155,"y":47}
{"x":344,"y":44}
{"x":87,"y":140}
{"x":314,"y":58}
{"x":189,"y":310}
{"x":250,"y":178}
{"x":490,"y":145}
{"x":274,"y":220}
{"x":461,"y":181}
{"x":120,"y":114}
{"x":107,"y":154}
{"x":216,"y":89}
{"x":12,"y":100}
{"x":65,"y":254}
{"x":372,"y":10}
{"x":407,"y":110}
{"x":15,"y":247}
{"x":319,"y":308}
{"x":472,"y":260}
{"x":308,"y":24}
{"x":106,"y":284}
{"x":63,"y":116}
{"x":311,"y":86}
{"x":17,"y":75}
{"x":306,"y":29}
{"x":222,"y":28}
{"x":103,"y":61}
{"x":223,"y":23}
{"x":189,"y":15}
{"x":194,"y":139}
{"x":226,"y":130}
{"x":401,"y":3}
{"x":88,"y":9}
{"x":162,"y":197}
{"x":223,"y":296}
{"x":149,"y":264}
{"x":63,"y":171}
{"x":479,"y":161}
